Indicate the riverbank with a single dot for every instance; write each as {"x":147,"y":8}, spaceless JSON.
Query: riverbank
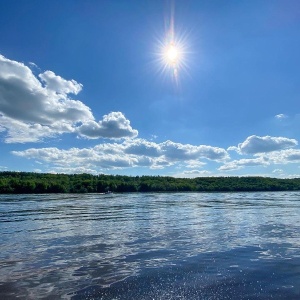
{"x":39,"y":183}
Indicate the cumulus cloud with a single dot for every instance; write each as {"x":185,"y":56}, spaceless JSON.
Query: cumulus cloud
{"x":260,"y":144}
{"x":114,"y":125}
{"x":129,"y":153}
{"x":59,"y":85}
{"x":142,"y":147}
{"x":23,"y":98}
{"x":241,"y":163}
{"x":91,"y":158}
{"x":21,"y":132}
{"x":193,"y":164}
{"x":177,"y":151}
{"x":283,"y":156}
{"x":33,"y":108}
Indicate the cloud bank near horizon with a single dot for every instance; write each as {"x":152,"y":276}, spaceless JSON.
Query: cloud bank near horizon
{"x":267,"y":150}
{"x":130,"y":153}
{"x":143,"y":153}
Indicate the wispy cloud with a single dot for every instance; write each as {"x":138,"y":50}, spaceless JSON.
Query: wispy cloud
{"x":281,"y":116}
{"x":193,"y":174}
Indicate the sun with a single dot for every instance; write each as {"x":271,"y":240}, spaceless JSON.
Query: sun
{"x":172,"y":55}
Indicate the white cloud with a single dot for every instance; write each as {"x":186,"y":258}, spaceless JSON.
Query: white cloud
{"x":32,"y":64}
{"x":114,"y":125}
{"x":241,"y":163}
{"x":260,"y":144}
{"x":196,"y":172}
{"x":33,"y":108}
{"x":264,"y":159}
{"x":130,"y":153}
{"x":193,"y":174}
{"x":21,"y":132}
{"x":59,"y":85}
{"x":153,"y":137}
{"x":279,"y":172}
{"x":292,"y":176}
{"x":78,"y":170}
{"x":192,"y":164}
{"x":177,"y":151}
{"x":281,"y":116}
{"x":283,"y":156}
{"x":90,"y":158}
{"x":142,"y":147}
{"x":23,"y":98}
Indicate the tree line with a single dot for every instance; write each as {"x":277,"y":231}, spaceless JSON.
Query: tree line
{"x":38,"y":183}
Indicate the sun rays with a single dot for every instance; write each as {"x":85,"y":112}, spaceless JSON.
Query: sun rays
{"x":172,"y":51}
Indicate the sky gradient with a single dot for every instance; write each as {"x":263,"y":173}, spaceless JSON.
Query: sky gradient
{"x":84,"y":87}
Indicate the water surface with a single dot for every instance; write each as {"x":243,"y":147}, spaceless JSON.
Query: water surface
{"x":150,"y":246}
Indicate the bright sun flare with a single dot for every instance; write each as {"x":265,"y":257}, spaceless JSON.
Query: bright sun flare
{"x":172,"y":55}
{"x":172,"y":51}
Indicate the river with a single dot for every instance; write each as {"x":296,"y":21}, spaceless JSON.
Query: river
{"x":150,"y":246}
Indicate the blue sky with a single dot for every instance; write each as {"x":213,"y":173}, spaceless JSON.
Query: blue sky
{"x":85,"y":87}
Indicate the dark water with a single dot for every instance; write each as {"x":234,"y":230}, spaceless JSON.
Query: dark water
{"x":150,"y":246}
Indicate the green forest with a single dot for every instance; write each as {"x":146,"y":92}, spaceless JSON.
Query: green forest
{"x":38,"y":183}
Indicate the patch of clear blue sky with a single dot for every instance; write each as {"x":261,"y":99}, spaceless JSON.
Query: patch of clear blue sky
{"x":243,"y":65}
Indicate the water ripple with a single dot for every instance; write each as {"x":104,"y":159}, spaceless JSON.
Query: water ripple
{"x":150,"y":246}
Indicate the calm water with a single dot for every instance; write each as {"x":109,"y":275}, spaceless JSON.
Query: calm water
{"x":150,"y":246}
